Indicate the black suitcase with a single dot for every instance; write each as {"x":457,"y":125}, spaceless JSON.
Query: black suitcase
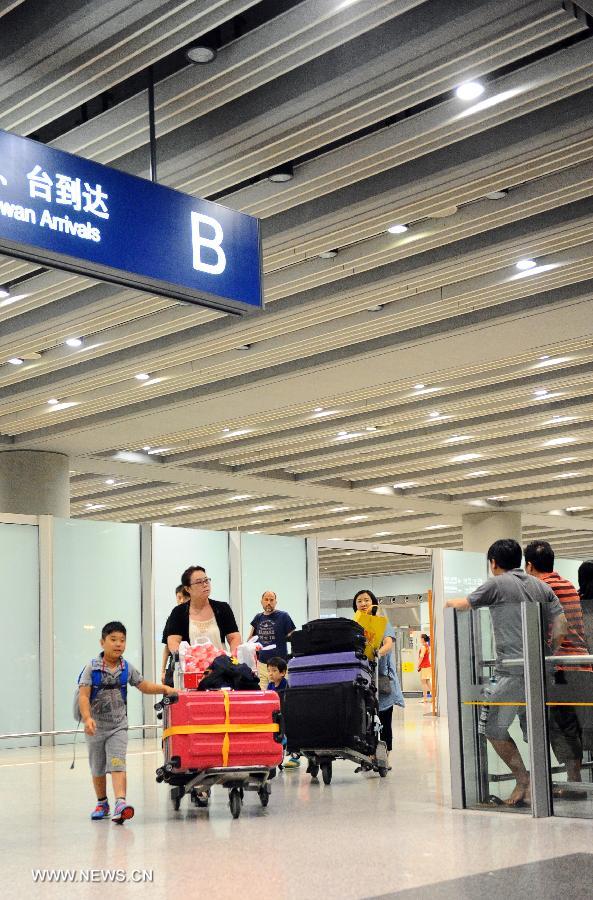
{"x":330,"y":717}
{"x":328,"y":636}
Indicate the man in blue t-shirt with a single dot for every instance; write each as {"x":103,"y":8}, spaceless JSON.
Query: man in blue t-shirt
{"x":272,"y":628}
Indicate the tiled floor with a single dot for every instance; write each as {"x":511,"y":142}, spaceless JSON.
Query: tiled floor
{"x":359,"y":837}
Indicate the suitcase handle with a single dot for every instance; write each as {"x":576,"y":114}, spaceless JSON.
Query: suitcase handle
{"x":278,"y":719}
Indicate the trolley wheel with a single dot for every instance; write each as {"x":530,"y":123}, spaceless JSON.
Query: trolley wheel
{"x":313,"y":770}
{"x":264,"y":795}
{"x":382,"y":771}
{"x":235,"y":803}
{"x":326,"y":772}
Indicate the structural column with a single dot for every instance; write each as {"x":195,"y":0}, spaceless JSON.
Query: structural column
{"x":480,"y":530}
{"x":34,"y":483}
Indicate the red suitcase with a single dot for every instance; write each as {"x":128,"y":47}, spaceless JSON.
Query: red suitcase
{"x":213,"y":729}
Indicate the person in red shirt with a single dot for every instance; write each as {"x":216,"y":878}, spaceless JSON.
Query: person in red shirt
{"x":564,"y":725}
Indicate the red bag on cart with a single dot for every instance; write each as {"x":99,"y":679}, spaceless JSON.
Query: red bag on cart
{"x":214,"y":729}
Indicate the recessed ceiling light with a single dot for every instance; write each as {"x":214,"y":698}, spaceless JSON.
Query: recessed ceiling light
{"x":181,"y":508}
{"x":4,"y":293}
{"x":328,"y":254}
{"x":434,"y":415}
{"x":16,"y":361}
{"x":556,"y":420}
{"x":355,"y":518}
{"x":225,"y":430}
{"x":382,"y":533}
{"x":324,"y":412}
{"x":318,"y":409}
{"x":241,"y":497}
{"x":498,"y":497}
{"x":457,"y":438}
{"x":262,"y":507}
{"x":496,"y":195}
{"x":575,"y":508}
{"x":244,"y":347}
{"x":146,"y":449}
{"x":52,"y":401}
{"x":154,"y":451}
{"x":557,"y":442}
{"x":142,"y":376}
{"x":541,"y":392}
{"x":302,"y":525}
{"x":74,"y":342}
{"x":435,"y":527}
{"x":397,"y":229}
{"x":201,"y":54}
{"x":110,"y":481}
{"x":469,"y":90}
{"x":542,"y":358}
{"x":253,"y":532}
{"x":96,"y":505}
{"x":552,"y":361}
{"x":404,"y":485}
{"x":478,"y":474}
{"x":568,"y":475}
{"x":419,"y":387}
{"x":337,"y":509}
{"x":376,"y":308}
{"x":282,"y":174}
{"x":370,"y":428}
{"x":466,"y":457}
{"x":524,"y":264}
{"x":347,"y":435}
{"x":568,"y":459}
{"x":239,"y":432}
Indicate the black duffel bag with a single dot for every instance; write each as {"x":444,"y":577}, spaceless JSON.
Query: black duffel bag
{"x":328,"y":636}
{"x":225,"y":673}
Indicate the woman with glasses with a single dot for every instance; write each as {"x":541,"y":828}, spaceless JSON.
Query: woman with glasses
{"x":202,"y":616}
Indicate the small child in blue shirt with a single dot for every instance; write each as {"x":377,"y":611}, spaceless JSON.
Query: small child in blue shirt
{"x":277,"y":668}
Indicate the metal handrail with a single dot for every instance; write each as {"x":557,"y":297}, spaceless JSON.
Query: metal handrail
{"x":564,"y":660}
{"x":24,"y":734}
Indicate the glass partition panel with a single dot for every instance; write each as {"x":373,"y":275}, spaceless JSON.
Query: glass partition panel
{"x":492,"y":697}
{"x":19,"y":661}
{"x":173,"y":550}
{"x":279,"y":564}
{"x":96,"y":579}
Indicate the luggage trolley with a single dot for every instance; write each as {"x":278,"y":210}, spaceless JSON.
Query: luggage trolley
{"x":330,"y":708}
{"x":333,"y":721}
{"x":201,"y":731}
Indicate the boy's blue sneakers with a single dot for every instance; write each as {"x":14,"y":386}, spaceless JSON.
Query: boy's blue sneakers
{"x":122,"y":812}
{"x":101,"y":810}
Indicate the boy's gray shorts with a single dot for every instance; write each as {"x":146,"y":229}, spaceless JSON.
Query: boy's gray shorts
{"x":107,"y":750}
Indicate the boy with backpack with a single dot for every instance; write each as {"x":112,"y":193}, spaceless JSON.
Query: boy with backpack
{"x":102,"y":707}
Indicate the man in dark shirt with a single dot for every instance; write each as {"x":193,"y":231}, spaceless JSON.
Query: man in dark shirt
{"x":272,"y":628}
{"x":503,"y":595}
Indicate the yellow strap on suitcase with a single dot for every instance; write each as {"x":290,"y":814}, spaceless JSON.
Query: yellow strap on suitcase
{"x":227,"y":728}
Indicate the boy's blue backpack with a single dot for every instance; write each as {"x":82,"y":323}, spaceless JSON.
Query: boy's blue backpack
{"x":97,"y":676}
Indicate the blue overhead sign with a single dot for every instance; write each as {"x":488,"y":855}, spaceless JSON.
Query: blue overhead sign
{"x":60,"y":210}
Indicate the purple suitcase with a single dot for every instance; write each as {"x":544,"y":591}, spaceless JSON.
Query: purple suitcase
{"x":329,"y":668}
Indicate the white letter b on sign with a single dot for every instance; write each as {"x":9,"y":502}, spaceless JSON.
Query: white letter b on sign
{"x":214,"y":244}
